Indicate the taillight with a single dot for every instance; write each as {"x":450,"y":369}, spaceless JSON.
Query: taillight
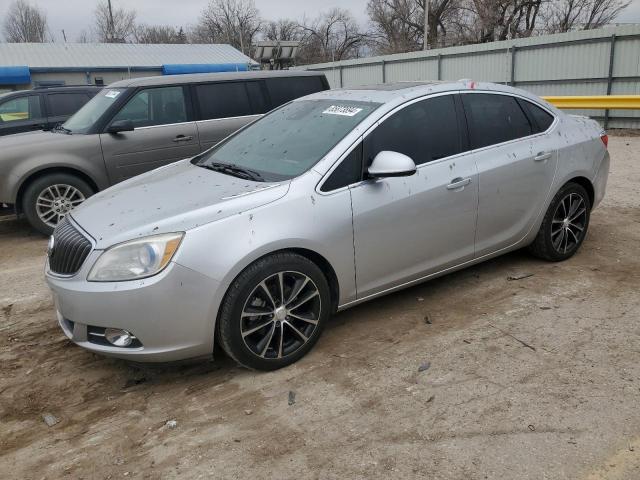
{"x":605,"y":140}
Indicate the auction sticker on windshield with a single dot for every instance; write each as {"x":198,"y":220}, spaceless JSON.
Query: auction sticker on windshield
{"x":112,"y":94}
{"x":344,"y":110}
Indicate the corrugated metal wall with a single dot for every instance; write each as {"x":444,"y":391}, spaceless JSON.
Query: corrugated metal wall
{"x":592,"y":62}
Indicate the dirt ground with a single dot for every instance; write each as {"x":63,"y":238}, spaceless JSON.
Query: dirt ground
{"x":528,"y":379}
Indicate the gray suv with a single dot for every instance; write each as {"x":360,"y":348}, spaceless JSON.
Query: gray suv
{"x":133,"y":126}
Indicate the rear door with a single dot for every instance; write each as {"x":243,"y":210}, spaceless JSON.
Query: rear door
{"x":61,"y":105}
{"x":284,"y":89}
{"x":163,"y":133}
{"x":224,"y":107}
{"x":22,"y":113}
{"x":516,"y":165}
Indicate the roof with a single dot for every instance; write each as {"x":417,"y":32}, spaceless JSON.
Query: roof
{"x":204,"y":77}
{"x":396,"y":93}
{"x":110,"y":55}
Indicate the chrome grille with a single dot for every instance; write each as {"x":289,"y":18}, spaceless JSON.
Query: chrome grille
{"x":70,"y":249}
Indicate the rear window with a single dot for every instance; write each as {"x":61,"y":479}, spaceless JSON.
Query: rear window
{"x":542,"y":119}
{"x":494,"y":119}
{"x":63,"y":104}
{"x":283,"y":90}
{"x":222,"y":100}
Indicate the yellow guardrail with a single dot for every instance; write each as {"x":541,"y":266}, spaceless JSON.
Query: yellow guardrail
{"x":597,"y":102}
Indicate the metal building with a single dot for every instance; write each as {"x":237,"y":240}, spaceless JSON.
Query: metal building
{"x":28,"y":65}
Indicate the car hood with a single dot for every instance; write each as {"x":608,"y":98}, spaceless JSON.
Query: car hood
{"x":177,"y":197}
{"x":36,"y":140}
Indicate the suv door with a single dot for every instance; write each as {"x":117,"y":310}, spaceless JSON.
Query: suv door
{"x":406,"y":228}
{"x":61,"y":105}
{"x":22,"y":113}
{"x":225,"y":107}
{"x":516,"y":166}
{"x":163,"y":133}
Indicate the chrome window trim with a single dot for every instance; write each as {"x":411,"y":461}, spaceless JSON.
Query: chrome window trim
{"x":257,"y":115}
{"x":451,"y":157}
{"x":163,"y":125}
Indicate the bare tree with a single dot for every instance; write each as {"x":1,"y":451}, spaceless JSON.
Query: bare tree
{"x":398,"y":25}
{"x":333,"y":35}
{"x":566,"y":15}
{"x":114,"y":24}
{"x":159,"y":34}
{"x":25,"y":23}
{"x":282,"y":29}
{"x":235,"y":22}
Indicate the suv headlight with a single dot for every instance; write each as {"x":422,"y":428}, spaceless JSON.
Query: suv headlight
{"x":136,"y":259}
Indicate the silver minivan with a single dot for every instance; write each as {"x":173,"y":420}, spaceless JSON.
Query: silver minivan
{"x":133,"y":126}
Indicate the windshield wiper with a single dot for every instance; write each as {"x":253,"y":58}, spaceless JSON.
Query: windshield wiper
{"x":60,"y":128}
{"x":234,"y":170}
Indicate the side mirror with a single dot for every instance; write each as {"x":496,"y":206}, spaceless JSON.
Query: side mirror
{"x":391,"y":164}
{"x":120,"y":126}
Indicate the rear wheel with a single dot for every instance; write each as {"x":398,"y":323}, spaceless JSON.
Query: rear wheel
{"x":49,"y":198}
{"x":565,"y":224}
{"x":274,"y":312}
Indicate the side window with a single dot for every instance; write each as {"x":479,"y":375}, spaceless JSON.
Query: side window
{"x":283,"y":89}
{"x":59,"y":104}
{"x":425,"y":131}
{"x":20,"y":109}
{"x":349,"y":171}
{"x":494,"y":119}
{"x":257,"y":98}
{"x":541,"y":118}
{"x":154,"y":106}
{"x":222,"y":100}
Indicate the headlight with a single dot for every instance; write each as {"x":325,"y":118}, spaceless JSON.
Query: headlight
{"x":136,"y":259}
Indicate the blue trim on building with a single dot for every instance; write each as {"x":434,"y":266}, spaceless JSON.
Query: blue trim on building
{"x":93,"y":69}
{"x":179,"y":69}
{"x":14,"y":75}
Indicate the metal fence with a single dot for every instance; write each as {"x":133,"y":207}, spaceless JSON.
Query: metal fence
{"x":596,"y":62}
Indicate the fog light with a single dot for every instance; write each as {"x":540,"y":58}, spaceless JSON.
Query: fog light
{"x":118,"y":337}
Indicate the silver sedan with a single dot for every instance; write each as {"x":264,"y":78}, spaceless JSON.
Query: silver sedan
{"x":326,"y":202}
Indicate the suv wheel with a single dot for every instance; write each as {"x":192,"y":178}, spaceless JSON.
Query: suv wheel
{"x":274,"y":312}
{"x":49,"y":198}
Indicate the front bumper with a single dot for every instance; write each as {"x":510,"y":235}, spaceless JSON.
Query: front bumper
{"x":172,"y":314}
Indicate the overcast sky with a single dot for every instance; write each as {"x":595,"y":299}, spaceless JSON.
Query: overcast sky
{"x":76,"y":15}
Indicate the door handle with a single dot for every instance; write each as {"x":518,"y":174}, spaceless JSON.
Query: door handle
{"x":182,"y":138}
{"x":457,"y":183}
{"x":542,"y":156}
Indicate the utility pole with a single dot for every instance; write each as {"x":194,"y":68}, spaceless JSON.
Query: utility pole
{"x":112,"y":33}
{"x":425,"y":44}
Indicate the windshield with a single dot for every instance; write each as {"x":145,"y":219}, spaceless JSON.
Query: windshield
{"x":289,"y":140}
{"x":84,"y":118}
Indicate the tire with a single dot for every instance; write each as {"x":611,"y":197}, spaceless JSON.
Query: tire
{"x":58,"y":193}
{"x":254,"y":341}
{"x":564,"y":226}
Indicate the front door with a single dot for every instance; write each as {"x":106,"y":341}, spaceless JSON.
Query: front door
{"x":406,"y":228}
{"x":162,"y":133}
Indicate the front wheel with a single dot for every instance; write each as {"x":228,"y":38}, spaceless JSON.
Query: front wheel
{"x":565,"y":224}
{"x":274,"y":312}
{"x":49,"y":198}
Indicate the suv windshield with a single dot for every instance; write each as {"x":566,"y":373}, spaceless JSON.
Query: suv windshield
{"x":84,"y":118}
{"x":289,"y":140}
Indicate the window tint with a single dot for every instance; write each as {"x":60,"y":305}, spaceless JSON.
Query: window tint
{"x":282,"y":90}
{"x":155,"y":106}
{"x":22,"y":108}
{"x":542,"y":119}
{"x":256,"y":95}
{"x":221,"y":100}
{"x":65,"y":103}
{"x":424,"y":131}
{"x":349,"y":171}
{"x":494,"y":119}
